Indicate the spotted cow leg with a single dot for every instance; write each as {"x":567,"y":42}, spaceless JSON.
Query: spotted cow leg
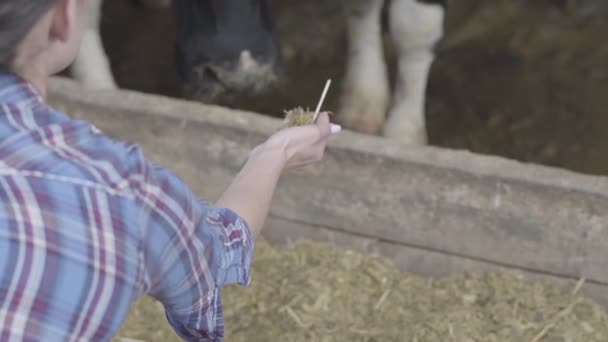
{"x":415,"y":27}
{"x":365,"y":91}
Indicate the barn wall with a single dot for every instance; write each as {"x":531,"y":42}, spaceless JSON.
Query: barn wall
{"x":434,"y":211}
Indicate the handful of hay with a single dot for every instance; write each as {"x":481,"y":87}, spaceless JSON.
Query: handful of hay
{"x":300,"y":116}
{"x":318,"y":292}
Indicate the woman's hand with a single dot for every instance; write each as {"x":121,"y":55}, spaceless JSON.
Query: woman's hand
{"x":250,"y":193}
{"x":301,"y":145}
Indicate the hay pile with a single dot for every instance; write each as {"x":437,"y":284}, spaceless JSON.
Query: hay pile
{"x":314,"y":292}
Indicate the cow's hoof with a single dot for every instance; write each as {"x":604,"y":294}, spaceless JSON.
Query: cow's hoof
{"x":406,"y":133}
{"x":364,"y":113}
{"x":361,"y":121}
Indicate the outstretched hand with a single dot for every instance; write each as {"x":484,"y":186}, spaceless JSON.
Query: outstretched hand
{"x":250,"y":193}
{"x":303,"y":145}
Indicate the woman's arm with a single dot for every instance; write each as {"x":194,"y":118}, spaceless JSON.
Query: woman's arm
{"x":250,"y":193}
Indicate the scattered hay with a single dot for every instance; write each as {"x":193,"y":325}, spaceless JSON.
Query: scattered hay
{"x":315,"y":292}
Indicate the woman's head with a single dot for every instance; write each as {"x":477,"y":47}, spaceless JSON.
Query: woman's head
{"x":35,"y":33}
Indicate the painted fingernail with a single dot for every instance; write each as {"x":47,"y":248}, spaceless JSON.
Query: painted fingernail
{"x":335,"y":128}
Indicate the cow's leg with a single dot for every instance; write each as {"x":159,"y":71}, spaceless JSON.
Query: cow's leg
{"x":365,"y":89}
{"x":415,"y":27}
{"x":92,"y":67}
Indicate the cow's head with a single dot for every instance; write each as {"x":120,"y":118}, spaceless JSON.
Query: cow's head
{"x":226,"y":48}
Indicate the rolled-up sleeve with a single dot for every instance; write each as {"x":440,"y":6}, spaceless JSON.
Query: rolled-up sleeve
{"x":191,"y":250}
{"x":194,"y":309}
{"x":237,"y":241}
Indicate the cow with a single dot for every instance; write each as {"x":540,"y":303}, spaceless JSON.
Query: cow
{"x":226,"y":48}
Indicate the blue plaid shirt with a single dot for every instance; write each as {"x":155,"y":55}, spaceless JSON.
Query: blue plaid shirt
{"x":87,"y":226}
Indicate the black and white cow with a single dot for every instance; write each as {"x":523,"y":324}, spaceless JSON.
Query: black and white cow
{"x":226,"y":47}
{"x":223,"y":48}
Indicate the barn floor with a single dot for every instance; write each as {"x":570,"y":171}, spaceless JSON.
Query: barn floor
{"x":316,"y":292}
{"x":520,"y":79}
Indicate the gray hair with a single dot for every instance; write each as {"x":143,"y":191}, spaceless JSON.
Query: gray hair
{"x":16,"y":19}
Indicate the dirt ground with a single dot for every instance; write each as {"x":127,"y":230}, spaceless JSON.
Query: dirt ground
{"x":522,"y":79}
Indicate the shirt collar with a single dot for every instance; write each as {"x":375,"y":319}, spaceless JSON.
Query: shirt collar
{"x":15,"y":89}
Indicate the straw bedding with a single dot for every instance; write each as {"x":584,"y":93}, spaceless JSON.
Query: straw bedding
{"x":318,"y":292}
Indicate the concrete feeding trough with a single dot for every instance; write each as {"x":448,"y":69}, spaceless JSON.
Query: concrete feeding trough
{"x":434,"y":212}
